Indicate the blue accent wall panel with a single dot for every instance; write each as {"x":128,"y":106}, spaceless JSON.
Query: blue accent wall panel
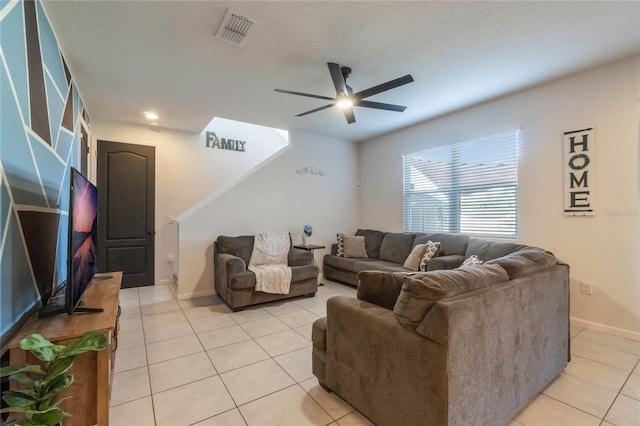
{"x":55,"y":109}
{"x":16,"y":270}
{"x":50,"y":52}
{"x":51,"y":170}
{"x":16,"y":55}
{"x":15,"y":153}
{"x":36,"y":153}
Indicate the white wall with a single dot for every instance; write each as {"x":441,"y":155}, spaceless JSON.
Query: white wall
{"x":275,"y":198}
{"x":604,"y":249}
{"x":187,"y":171}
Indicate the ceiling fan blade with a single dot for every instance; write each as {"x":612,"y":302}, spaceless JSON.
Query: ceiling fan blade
{"x":304,"y":94}
{"x":383,"y":87}
{"x":349,"y":115}
{"x":315,"y":110}
{"x":380,"y":105}
{"x":338,"y":78}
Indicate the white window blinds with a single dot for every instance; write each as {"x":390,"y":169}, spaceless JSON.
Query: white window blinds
{"x":469,"y":187}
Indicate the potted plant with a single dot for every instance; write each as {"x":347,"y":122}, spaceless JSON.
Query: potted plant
{"x":38,"y":400}
{"x":307,"y":231}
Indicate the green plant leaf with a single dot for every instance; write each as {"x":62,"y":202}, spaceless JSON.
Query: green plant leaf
{"x":34,"y":341}
{"x":18,"y":399}
{"x":56,"y":386}
{"x":91,"y":341}
{"x":23,"y":379}
{"x":22,"y":368}
{"x":40,"y":347}
{"x":59,"y":367}
{"x":13,"y":410}
{"x":49,"y":417}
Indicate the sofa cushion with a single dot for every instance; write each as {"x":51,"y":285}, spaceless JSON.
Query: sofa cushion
{"x":396,"y":246}
{"x":354,"y":247}
{"x":412,"y":261}
{"x":369,"y":265}
{"x":241,"y":246}
{"x":372,"y":241}
{"x":381,"y":288}
{"x":420,"y":293}
{"x":431,"y":249}
{"x":488,"y":250}
{"x":525,"y":262}
{"x":449,"y":243}
{"x":344,"y":263}
{"x":396,"y":269}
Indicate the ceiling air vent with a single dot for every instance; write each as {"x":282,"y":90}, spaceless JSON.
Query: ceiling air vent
{"x":234,"y":28}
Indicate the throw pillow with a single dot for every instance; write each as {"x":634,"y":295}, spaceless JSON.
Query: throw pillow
{"x":413,"y":260}
{"x":430,"y":250}
{"x":472,"y":261}
{"x":340,"y":251}
{"x":354,"y":247}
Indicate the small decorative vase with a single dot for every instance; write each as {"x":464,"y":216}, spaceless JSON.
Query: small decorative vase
{"x":305,"y":240}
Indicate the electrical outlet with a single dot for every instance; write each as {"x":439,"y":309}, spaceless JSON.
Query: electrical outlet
{"x":587,"y":288}
{"x":170,"y":258}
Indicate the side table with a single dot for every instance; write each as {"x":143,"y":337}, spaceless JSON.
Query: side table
{"x":311,"y":248}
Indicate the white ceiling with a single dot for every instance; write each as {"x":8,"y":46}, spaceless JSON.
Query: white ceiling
{"x":130,"y":56}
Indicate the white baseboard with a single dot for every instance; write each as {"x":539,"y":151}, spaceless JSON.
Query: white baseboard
{"x":205,"y":293}
{"x":620,"y":332}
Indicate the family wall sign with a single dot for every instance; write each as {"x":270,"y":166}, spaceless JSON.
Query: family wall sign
{"x":579,"y":160}
{"x":213,"y":141}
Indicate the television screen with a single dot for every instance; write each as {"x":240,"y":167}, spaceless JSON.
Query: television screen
{"x":83,"y":227}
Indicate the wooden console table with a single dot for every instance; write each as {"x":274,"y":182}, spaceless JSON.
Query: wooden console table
{"x":93,"y":371}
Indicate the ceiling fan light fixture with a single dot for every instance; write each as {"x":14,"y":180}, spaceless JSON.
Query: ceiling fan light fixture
{"x":344,"y":102}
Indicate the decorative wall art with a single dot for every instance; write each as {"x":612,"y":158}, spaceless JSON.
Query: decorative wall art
{"x":212,"y":141}
{"x":311,"y":171}
{"x":579,"y":170}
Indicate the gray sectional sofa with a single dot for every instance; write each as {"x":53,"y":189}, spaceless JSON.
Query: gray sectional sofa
{"x":387,"y":251}
{"x":236,"y":285}
{"x":467,"y":346}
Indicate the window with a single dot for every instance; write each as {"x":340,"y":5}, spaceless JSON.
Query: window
{"x":469,"y":187}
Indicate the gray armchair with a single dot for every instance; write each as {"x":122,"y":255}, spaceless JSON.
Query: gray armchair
{"x":235,"y":284}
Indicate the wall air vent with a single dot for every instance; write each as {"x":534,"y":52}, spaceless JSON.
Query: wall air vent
{"x":234,"y":28}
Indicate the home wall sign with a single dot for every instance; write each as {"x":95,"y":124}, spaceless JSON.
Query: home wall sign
{"x":222,"y":143}
{"x":579,"y":171}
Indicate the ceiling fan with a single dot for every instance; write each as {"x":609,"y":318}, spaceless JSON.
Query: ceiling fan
{"x":346,"y":99}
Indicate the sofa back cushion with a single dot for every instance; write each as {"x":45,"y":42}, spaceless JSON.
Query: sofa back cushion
{"x":372,"y":241}
{"x":396,"y":247}
{"x":420,"y":292}
{"x":241,"y":246}
{"x":489,"y":250}
{"x":525,"y":262}
{"x":449,"y":243}
{"x":381,"y":288}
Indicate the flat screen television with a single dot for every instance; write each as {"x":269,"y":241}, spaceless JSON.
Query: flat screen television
{"x":81,"y":246}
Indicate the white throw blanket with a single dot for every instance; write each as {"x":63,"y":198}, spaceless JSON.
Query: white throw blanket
{"x":269,"y":262}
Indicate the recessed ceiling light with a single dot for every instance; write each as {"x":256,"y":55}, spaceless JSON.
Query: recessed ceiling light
{"x":151,"y":115}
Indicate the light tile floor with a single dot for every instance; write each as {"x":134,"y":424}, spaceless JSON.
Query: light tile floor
{"x":196,"y":362}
